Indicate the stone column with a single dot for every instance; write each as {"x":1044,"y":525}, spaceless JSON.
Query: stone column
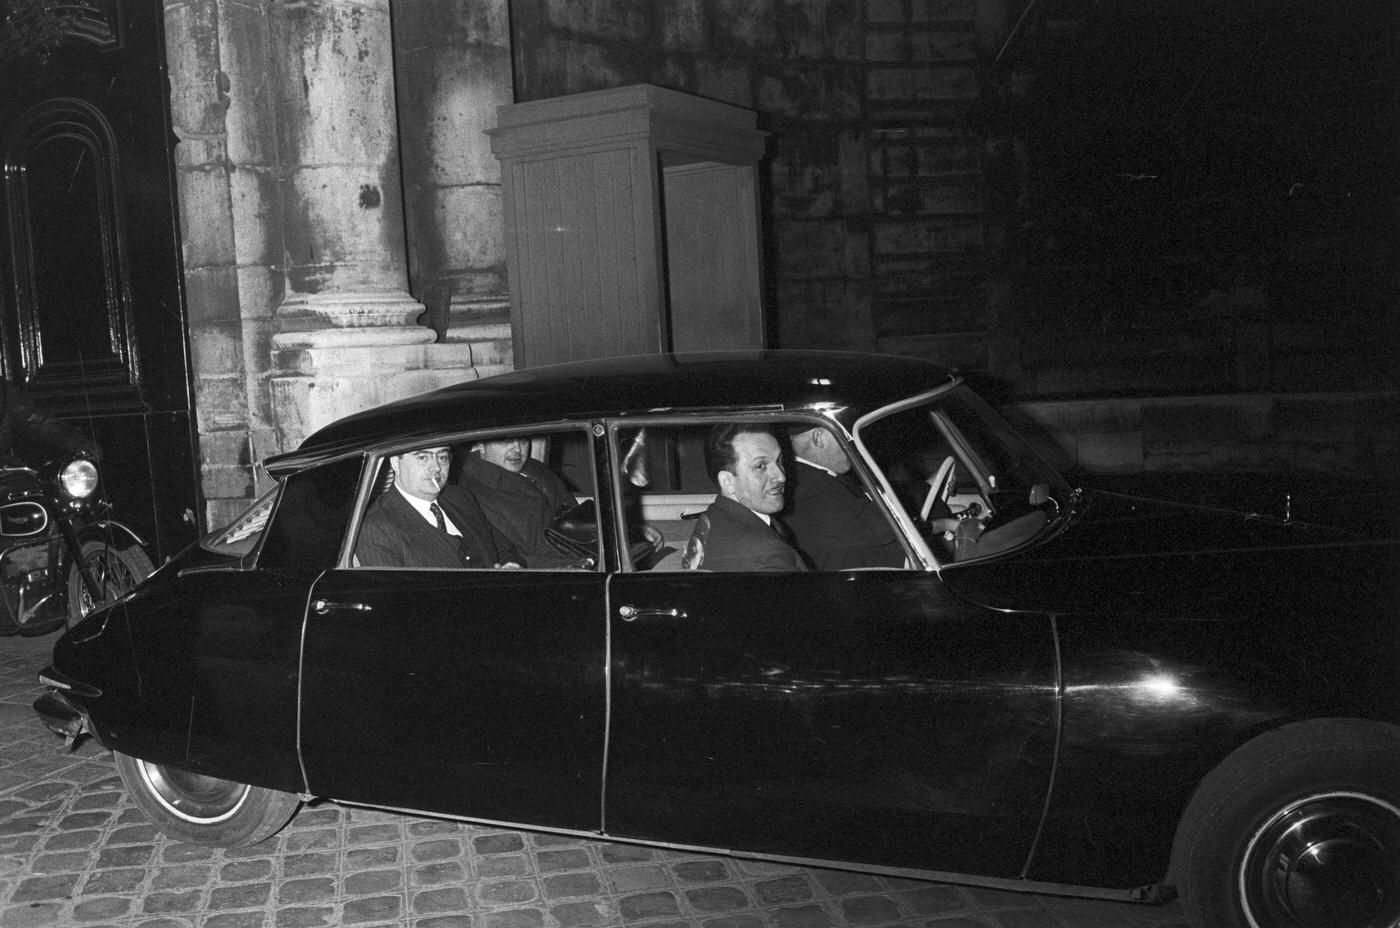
{"x":345,"y":258}
{"x":347,"y":333}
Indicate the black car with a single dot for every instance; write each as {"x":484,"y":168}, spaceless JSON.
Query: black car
{"x":1050,"y":688}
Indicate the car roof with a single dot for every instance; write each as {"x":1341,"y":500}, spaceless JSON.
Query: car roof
{"x":775,"y":379}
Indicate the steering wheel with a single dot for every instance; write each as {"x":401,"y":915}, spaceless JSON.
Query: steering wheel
{"x":940,"y":487}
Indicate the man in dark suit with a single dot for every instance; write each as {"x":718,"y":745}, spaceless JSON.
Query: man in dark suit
{"x":519,"y":495}
{"x":418,"y":522}
{"x":832,"y":520}
{"x":738,"y":530}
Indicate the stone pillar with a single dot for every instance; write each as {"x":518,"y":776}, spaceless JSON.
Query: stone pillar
{"x":347,"y":333}
{"x":345,"y":260}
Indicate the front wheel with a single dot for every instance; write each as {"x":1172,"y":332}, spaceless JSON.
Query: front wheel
{"x":1300,"y":828}
{"x":204,"y":810}
{"x":116,"y":570}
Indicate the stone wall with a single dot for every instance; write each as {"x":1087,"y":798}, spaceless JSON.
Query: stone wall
{"x":875,"y":196}
{"x":1352,"y":435}
{"x":896,"y":171}
{"x":293,"y":218}
{"x":452,"y":64}
{"x":901,"y":197}
{"x":227,"y":175}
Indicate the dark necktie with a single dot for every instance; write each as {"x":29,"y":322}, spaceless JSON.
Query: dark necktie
{"x":779,"y":529}
{"x":436,"y":510}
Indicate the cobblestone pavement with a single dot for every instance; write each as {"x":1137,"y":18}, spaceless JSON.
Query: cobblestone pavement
{"x":74,"y":851}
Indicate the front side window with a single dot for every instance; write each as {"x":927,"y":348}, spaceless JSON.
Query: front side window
{"x":963,"y":477}
{"x":752,"y":494}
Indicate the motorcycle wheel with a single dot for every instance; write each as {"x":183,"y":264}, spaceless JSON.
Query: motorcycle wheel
{"x":116,"y":570}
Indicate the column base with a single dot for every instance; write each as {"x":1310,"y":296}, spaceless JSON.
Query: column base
{"x":368,"y":337}
{"x":348,"y":310}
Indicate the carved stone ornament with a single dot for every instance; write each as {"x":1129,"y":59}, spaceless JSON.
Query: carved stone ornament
{"x":34,"y":29}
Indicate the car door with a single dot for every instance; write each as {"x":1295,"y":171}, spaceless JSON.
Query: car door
{"x":475,"y":693}
{"x":866,"y":716}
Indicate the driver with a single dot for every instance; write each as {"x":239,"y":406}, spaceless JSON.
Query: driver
{"x":834,"y":523}
{"x":520,"y":496}
{"x":925,"y":485}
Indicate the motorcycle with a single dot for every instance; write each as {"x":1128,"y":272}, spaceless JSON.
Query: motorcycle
{"x":60,"y":555}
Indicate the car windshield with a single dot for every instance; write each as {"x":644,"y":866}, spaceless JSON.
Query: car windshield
{"x":950,"y":459}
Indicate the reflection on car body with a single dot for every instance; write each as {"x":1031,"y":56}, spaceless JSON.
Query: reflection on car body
{"x":1077,"y":691}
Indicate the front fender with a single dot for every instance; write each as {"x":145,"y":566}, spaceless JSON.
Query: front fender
{"x":110,"y":531}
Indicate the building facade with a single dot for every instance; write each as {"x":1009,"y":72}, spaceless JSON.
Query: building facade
{"x":337,"y":224}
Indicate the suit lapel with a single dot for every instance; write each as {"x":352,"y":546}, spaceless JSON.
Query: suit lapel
{"x":473,"y":547}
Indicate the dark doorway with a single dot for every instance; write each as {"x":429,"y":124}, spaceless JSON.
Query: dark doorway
{"x":92,"y":314}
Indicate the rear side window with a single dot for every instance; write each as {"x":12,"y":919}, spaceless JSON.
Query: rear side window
{"x":311,"y":517}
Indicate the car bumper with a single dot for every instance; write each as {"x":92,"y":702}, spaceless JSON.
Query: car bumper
{"x":57,"y":710}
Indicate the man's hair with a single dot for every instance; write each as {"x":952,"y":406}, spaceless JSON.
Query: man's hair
{"x":795,"y":430}
{"x":719,"y":445}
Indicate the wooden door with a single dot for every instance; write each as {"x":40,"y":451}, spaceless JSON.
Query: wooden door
{"x":92,"y":316}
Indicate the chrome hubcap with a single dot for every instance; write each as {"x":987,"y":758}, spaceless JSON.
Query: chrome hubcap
{"x":1328,"y":861}
{"x":195,"y":798}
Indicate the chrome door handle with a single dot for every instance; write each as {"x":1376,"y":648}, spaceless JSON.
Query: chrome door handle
{"x":632,"y":613}
{"x":322,"y":606}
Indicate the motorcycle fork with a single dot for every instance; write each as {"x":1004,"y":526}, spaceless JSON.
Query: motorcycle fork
{"x":75,"y":550}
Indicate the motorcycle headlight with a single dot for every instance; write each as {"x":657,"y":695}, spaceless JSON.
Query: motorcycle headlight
{"x":79,"y":479}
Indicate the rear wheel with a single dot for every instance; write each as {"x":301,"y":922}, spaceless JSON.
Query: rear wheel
{"x":116,"y":570}
{"x":201,"y":809}
{"x":1300,"y":828}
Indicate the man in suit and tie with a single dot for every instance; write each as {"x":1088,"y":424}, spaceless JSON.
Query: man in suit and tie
{"x":738,"y":530}
{"x":420,"y":522}
{"x":832,"y":520}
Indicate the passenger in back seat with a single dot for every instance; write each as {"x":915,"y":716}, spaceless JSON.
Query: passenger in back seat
{"x":521,"y":496}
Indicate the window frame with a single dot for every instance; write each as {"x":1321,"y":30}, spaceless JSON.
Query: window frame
{"x":967,"y":456}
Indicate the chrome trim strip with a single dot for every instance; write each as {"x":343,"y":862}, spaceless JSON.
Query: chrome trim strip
{"x":58,"y":681}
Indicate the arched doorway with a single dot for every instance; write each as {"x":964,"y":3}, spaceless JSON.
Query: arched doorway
{"x":92,"y":311}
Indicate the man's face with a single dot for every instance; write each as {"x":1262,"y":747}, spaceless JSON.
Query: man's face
{"x":509,"y":453}
{"x":421,"y":473}
{"x":758,"y":479}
